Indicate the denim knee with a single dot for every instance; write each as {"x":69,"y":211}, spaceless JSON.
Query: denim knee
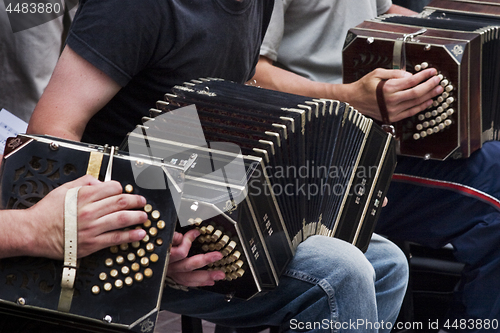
{"x":320,"y":257}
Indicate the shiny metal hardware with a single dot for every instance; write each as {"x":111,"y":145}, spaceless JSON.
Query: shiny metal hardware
{"x":107,"y":176}
{"x":399,"y":51}
{"x":53,"y":146}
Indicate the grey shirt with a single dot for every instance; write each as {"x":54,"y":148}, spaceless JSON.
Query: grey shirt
{"x":27,"y":60}
{"x":307,"y":36}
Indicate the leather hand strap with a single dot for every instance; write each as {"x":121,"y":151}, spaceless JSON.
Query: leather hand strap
{"x":383,"y":108}
{"x":70,"y":249}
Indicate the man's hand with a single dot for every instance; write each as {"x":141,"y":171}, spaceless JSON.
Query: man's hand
{"x":184,"y":270}
{"x":405,"y":94}
{"x":102,"y":210}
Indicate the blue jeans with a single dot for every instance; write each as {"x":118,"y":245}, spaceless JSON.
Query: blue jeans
{"x":423,"y":211}
{"x":328,"y":286}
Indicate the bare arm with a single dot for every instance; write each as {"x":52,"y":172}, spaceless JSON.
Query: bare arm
{"x":102,"y":210}
{"x":405,"y":94}
{"x":76,"y":91}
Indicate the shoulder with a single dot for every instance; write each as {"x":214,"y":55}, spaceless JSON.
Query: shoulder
{"x":120,"y":37}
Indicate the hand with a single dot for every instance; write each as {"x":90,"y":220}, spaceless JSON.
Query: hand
{"x":405,"y":94}
{"x":184,"y":270}
{"x":102,"y":210}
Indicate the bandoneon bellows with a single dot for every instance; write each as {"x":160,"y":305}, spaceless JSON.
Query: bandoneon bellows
{"x":313,"y":167}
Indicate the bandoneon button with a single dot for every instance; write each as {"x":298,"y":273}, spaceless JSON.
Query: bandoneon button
{"x":113,"y":273}
{"x":119,"y":284}
{"x":138,"y":277}
{"x":155,"y":215}
{"x":154,"y":257}
{"x":148,"y":208}
{"x":108,"y":262}
{"x":96,"y":290}
{"x":125,"y":270}
{"x":129,"y":188}
{"x":129,"y":281}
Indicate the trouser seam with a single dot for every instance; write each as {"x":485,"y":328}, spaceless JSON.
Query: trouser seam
{"x":327,"y":289}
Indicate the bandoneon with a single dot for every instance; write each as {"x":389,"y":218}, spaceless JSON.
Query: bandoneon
{"x":309,"y":167}
{"x":312,"y":167}
{"x":461,"y":40}
{"x":117,"y":289}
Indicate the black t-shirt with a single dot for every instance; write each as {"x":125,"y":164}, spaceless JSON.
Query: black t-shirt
{"x":148,"y":46}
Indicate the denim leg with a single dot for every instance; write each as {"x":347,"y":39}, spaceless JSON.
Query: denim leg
{"x":391,"y":269}
{"x":328,"y":284}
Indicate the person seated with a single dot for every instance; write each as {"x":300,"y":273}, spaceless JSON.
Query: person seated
{"x":302,"y":54}
{"x":119,"y":60}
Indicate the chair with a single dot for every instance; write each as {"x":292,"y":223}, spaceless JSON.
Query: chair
{"x":434,"y":274}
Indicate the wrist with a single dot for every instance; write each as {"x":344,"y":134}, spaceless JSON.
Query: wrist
{"x":27,"y":233}
{"x":38,"y":237}
{"x":340,"y":92}
{"x":17,"y":237}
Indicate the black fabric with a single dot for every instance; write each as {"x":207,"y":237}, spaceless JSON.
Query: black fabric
{"x":147,"y":46}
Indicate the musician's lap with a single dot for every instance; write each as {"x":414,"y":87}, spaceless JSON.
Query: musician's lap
{"x":327,"y":282}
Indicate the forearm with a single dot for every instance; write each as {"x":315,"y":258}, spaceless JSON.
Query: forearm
{"x":16,"y":238}
{"x":271,"y":77}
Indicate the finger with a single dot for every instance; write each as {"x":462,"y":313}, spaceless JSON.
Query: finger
{"x":386,"y":74}
{"x":198,"y":278}
{"x":110,"y":239}
{"x":412,"y":107}
{"x":81,"y":181}
{"x":413,"y":110}
{"x":177,"y":239}
{"x":195,"y":262}
{"x":99,"y":191}
{"x":421,"y":92}
{"x":181,"y":250}
{"x":114,"y":221}
{"x":409,"y":81}
{"x":109,"y":205}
